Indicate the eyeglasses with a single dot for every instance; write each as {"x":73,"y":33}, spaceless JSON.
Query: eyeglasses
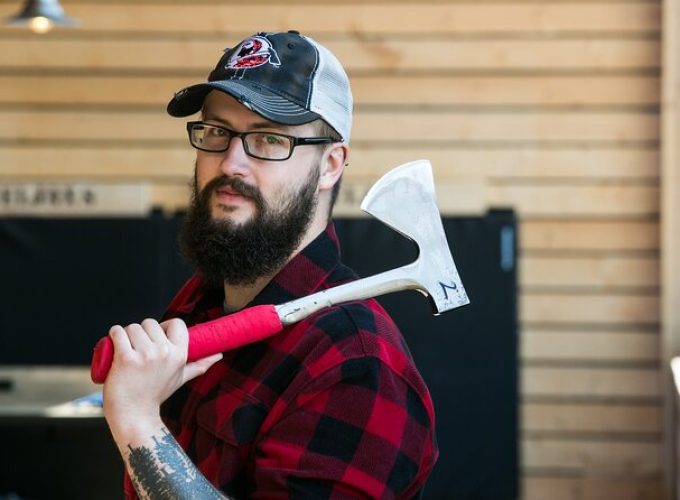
{"x":261,"y":145}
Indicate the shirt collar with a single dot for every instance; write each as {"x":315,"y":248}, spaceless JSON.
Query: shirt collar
{"x":307,"y":272}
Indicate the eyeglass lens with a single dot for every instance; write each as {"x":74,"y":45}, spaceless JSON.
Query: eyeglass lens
{"x":265,"y":145}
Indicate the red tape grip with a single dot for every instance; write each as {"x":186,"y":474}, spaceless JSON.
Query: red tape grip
{"x":219,"y":335}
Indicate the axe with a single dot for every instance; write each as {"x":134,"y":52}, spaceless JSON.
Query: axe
{"x":404,"y":199}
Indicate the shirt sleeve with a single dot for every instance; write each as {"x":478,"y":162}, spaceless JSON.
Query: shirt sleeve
{"x":359,"y":430}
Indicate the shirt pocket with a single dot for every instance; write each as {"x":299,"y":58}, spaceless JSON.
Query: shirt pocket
{"x":233,"y":416}
{"x":227,"y":426}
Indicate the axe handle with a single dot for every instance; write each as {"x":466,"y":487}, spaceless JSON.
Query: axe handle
{"x":221,"y":334}
{"x":259,"y":322}
{"x":393,"y":280}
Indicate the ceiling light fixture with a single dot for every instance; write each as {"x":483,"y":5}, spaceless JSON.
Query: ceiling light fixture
{"x":41,"y":15}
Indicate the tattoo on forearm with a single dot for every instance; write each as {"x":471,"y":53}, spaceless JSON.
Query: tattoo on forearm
{"x":165,"y":472}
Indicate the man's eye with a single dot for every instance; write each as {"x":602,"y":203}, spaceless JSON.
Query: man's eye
{"x":272,"y":140}
{"x":215,"y":132}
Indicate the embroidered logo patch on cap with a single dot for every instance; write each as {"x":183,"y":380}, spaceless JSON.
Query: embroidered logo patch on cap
{"x":253,"y":52}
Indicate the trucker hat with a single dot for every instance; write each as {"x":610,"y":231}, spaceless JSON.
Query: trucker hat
{"x":285,"y":77}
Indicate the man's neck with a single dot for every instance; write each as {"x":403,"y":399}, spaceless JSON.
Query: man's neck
{"x":236,"y":297}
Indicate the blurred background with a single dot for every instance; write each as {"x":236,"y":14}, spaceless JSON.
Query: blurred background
{"x":543,"y":122}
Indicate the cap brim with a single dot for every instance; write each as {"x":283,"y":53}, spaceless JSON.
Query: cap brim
{"x":263,"y":102}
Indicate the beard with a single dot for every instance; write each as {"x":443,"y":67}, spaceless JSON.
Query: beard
{"x":238,"y":254}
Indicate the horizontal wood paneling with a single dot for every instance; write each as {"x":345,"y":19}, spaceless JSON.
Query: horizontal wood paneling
{"x":588,"y":236}
{"x":601,"y":272}
{"x":594,"y":458}
{"x":508,"y":90}
{"x":374,"y":18}
{"x":581,"y":382}
{"x":563,"y":201}
{"x":367,"y":164}
{"x":592,"y":418}
{"x":535,"y":127}
{"x":541,"y":487}
{"x":396,"y":127}
{"x":89,"y":125}
{"x":59,"y":161}
{"x":543,"y":344}
{"x":395,"y":90}
{"x":593,"y":308}
{"x":390,"y":55}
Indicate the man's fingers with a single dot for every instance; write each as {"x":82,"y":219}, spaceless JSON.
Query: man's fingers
{"x":177,"y":332}
{"x":120,"y":339}
{"x":147,"y":339}
{"x":196,"y":368}
{"x":154,"y":330}
{"x":139,"y":338}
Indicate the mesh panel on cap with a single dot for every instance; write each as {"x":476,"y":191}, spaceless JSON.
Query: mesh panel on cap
{"x":331,"y":95}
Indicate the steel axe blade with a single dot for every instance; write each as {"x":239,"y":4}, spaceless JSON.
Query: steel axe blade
{"x":405,"y":200}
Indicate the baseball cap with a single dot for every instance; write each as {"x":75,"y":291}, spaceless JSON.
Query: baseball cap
{"x":285,"y":77}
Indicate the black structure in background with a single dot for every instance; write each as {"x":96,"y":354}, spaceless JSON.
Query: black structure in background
{"x":65,"y":281}
{"x":468,"y":356}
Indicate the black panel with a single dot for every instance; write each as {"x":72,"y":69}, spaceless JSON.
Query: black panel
{"x":54,"y":459}
{"x":66,"y":281}
{"x":467,"y":356}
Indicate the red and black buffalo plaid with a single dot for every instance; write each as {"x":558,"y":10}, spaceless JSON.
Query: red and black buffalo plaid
{"x":332,"y":407}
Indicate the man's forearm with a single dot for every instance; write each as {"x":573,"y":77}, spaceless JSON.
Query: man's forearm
{"x":159,"y":468}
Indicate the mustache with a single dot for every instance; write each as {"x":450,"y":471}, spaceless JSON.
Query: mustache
{"x":237,"y":185}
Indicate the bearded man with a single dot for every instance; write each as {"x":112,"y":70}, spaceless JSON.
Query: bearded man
{"x":331,"y":407}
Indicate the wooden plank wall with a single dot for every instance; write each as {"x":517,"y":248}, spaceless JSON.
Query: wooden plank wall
{"x":549,"y":107}
{"x":670,"y":240}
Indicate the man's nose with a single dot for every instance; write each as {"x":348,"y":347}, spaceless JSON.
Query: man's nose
{"x":235,"y":161}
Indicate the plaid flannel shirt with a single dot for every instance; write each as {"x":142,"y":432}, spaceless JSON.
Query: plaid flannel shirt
{"x":332,"y":407}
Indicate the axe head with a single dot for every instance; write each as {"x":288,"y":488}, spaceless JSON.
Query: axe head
{"x":405,"y":200}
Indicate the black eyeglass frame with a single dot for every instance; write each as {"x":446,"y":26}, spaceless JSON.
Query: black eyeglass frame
{"x":294,"y":141}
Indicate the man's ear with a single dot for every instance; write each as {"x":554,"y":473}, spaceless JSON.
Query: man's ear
{"x":333,"y":165}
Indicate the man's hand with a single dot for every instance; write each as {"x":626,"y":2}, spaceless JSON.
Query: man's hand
{"x":149,"y":364}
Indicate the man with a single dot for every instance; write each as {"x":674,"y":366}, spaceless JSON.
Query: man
{"x":331,"y":407}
